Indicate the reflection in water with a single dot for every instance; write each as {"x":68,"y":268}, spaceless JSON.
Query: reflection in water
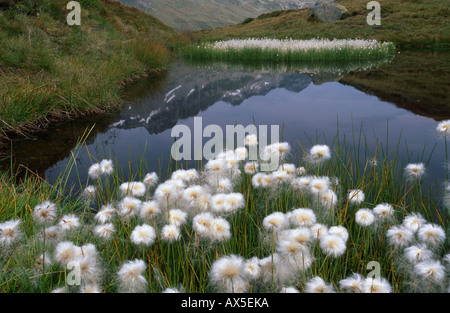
{"x":306,"y":102}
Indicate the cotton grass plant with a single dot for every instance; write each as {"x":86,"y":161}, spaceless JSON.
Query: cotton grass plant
{"x":289,"y":50}
{"x":311,"y":225}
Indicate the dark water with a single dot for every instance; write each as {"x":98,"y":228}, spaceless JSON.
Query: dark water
{"x":406,"y":97}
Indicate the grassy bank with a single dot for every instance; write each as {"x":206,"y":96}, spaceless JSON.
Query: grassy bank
{"x":405,"y":23}
{"x":53,"y":71}
{"x":184,"y":228}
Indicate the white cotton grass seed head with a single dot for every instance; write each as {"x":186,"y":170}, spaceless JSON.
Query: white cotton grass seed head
{"x":170,"y":233}
{"x":283,"y":148}
{"x":288,"y":168}
{"x":257,"y":180}
{"x":251,"y":140}
{"x":88,"y":250}
{"x":417,"y":253}
{"x":447,"y":259}
{"x":281,"y":176}
{"x":431,"y":234}
{"x":430,"y":270}
{"x":105,"y":231}
{"x":89,"y":192}
{"x":268,"y":181}
{"x":151,"y":179}
{"x":131,"y":277}
{"x":202,"y":224}
{"x":69,"y":222}
{"x":223,"y":185}
{"x":384,"y":211}
{"x":192,"y":193}
{"x":241,"y":153}
{"x":234,"y":201}
{"x":220,"y":230}
{"x":218,"y":203}
{"x":89,"y":270}
{"x":328,"y":199}
{"x":251,"y":168}
{"x":47,"y":260}
{"x":301,"y":170}
{"x":191,"y":176}
{"x":10,"y":232}
{"x":339,"y":231}
{"x":415,"y":170}
{"x":319,"y":230}
{"x":319,"y":153}
{"x":443,"y":128}
{"x":399,"y":236}
{"x":52,"y":234}
{"x":252,"y":269}
{"x":149,"y":210}
{"x":301,"y":235}
{"x":318,"y":285}
{"x":227,"y":269}
{"x":65,"y":252}
{"x":356,"y":196}
{"x":364,"y":217}
{"x":319,"y":185}
{"x":133,"y":189}
{"x":129,"y":206}
{"x":105,"y":215}
{"x":95,"y":171}
{"x":215,"y":166}
{"x":177,"y":217}
{"x":332,"y":245}
{"x":166,"y":192}
{"x":376,"y":285}
{"x":90,"y":288}
{"x":352,"y":284}
{"x":413,"y":221}
{"x":290,"y":248}
{"x":144,"y":235}
{"x":302,"y":217}
{"x":45,"y":212}
{"x":107,"y":167}
{"x":289,"y":290}
{"x":178,"y":174}
{"x":275,"y":221}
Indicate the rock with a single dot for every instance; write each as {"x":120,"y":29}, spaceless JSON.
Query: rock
{"x":329,"y":12}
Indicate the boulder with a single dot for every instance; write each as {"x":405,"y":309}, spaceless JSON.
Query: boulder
{"x":329,"y":12}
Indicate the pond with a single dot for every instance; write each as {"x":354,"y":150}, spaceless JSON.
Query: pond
{"x":397,"y":101}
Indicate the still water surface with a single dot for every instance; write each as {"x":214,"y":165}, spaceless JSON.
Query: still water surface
{"x":307,"y":103}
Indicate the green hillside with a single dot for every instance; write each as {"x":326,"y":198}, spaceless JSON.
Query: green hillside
{"x":408,"y":23}
{"x":53,"y":71}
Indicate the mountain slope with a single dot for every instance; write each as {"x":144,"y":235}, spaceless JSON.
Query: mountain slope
{"x":205,"y":14}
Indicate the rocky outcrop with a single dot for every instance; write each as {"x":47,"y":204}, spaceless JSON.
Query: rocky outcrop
{"x":328,"y":12}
